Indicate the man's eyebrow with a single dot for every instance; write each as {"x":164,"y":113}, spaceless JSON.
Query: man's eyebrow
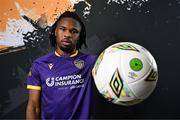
{"x":61,"y":26}
{"x":74,"y":28}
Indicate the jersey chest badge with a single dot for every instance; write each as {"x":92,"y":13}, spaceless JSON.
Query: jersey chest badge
{"x":79,"y":63}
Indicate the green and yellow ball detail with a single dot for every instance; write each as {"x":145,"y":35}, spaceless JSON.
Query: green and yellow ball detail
{"x":136,"y":64}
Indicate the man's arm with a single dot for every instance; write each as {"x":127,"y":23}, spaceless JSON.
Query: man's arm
{"x":33,"y":106}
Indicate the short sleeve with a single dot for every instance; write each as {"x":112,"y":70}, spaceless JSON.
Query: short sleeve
{"x":33,"y":79}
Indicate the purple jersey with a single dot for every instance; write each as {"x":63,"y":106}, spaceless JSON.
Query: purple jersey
{"x":66,"y":85}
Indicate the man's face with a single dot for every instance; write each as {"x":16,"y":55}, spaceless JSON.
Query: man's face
{"x":67,"y":34}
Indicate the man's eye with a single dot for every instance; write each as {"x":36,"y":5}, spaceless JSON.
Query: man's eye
{"x":63,"y":29}
{"x":75,"y":31}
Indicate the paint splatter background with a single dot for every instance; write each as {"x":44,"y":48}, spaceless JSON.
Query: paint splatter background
{"x":154,"y":24}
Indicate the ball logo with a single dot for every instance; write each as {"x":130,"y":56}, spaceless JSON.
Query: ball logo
{"x":136,"y":64}
{"x":49,"y":82}
{"x":116,"y":83}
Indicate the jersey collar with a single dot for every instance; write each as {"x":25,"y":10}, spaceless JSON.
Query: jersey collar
{"x":73,"y":54}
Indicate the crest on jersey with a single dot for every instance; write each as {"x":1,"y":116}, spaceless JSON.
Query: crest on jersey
{"x":79,"y":63}
{"x":50,"y":65}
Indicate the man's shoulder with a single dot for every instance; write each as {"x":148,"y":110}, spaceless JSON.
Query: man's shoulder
{"x":45,"y":58}
{"x":89,"y":57}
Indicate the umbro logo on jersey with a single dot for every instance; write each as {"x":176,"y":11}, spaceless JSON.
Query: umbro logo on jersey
{"x":79,"y":63}
{"x":50,"y":65}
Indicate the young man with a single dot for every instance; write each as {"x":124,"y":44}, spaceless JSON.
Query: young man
{"x":60,"y":83}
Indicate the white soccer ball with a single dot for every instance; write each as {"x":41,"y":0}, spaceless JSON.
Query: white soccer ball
{"x":125,"y":73}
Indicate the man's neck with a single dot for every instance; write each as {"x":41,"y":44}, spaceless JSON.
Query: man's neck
{"x":62,"y":53}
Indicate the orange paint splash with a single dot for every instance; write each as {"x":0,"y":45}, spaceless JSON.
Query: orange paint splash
{"x":34,"y":9}
{"x":3,"y":46}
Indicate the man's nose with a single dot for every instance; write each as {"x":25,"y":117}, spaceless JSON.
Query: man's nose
{"x":67,"y":34}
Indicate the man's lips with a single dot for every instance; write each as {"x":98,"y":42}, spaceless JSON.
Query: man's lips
{"x":66,"y":42}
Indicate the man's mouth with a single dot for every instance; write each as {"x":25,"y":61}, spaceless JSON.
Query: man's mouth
{"x":66,"y":42}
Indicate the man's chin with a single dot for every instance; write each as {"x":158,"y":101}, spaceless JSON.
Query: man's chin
{"x":67,"y":49}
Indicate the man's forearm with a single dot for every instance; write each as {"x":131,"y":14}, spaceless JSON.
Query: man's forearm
{"x":32,"y":113}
